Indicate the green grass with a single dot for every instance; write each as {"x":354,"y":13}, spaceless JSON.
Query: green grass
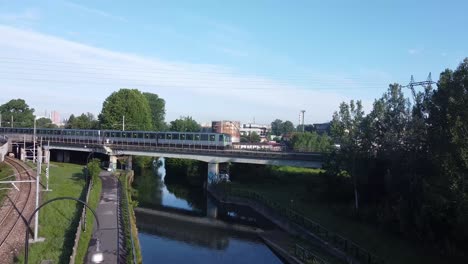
{"x":390,"y":247}
{"x":126,"y":193}
{"x":58,"y":220}
{"x":5,"y":171}
{"x":85,"y":238}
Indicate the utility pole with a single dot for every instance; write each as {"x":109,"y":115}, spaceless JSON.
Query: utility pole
{"x":123,"y":123}
{"x":0,"y":119}
{"x":48,"y":166}
{"x":302,"y":115}
{"x":12,"y":121}
{"x":38,"y":177}
{"x":34,"y":141}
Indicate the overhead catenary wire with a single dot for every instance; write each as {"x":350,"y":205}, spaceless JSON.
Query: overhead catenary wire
{"x":250,"y":82}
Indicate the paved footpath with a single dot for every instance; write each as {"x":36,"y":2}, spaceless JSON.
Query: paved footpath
{"x":108,"y":220}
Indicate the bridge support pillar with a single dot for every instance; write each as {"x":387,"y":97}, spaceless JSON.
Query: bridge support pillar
{"x":66,"y":156}
{"x":23,"y":155}
{"x":211,"y":209}
{"x":46,"y":156}
{"x":213,"y":173}
{"x":113,"y":162}
{"x":129,"y":163}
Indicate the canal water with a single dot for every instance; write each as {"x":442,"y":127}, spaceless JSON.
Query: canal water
{"x":166,"y":240}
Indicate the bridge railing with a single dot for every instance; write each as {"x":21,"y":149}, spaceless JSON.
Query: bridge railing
{"x":345,"y":245}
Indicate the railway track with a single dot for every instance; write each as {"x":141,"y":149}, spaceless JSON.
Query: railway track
{"x":16,"y":210}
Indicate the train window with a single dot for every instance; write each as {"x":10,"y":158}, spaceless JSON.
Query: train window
{"x":175,"y":136}
{"x":182,"y":136}
{"x":212,"y":137}
{"x":106,"y":134}
{"x":140,"y":135}
{"x":134,"y":135}
{"x":161,"y":136}
{"x":80,"y":133}
{"x":189,"y":137}
{"x":221,"y":138}
{"x":153,"y":135}
{"x":197,"y":137}
{"x":204,"y":137}
{"x":169,"y":136}
{"x":147,"y":135}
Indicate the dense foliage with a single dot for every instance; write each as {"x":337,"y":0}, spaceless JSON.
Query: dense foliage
{"x":22,"y":115}
{"x":158,"y":111}
{"x":184,"y":124}
{"x":128,"y":103}
{"x":409,"y":161}
{"x":278,"y":127}
{"x":311,"y":142}
{"x":45,"y":123}
{"x":252,"y":138}
{"x":84,"y":121}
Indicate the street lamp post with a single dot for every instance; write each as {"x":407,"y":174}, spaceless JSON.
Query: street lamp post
{"x":97,"y":257}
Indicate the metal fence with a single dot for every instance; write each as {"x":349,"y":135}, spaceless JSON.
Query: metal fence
{"x":345,"y":245}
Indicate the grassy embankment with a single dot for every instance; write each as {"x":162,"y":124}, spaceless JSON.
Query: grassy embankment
{"x":5,"y":171}
{"x":299,"y":188}
{"x":128,"y":214}
{"x":58,"y":221}
{"x":85,"y":237}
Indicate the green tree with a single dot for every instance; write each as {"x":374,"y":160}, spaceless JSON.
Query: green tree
{"x":45,"y":123}
{"x":158,"y":111}
{"x":93,"y":169}
{"x":254,"y":137}
{"x":287,"y":127}
{"x":276,"y":128}
{"x":84,"y":121}
{"x":311,"y":142}
{"x":128,"y":103}
{"x":23,"y":116}
{"x":448,"y":130}
{"x":185,"y":124}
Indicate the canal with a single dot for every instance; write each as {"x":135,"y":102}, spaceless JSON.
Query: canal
{"x":166,"y":239}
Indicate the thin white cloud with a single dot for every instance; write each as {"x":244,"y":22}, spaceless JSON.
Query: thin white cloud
{"x":93,"y":11}
{"x":414,"y":51}
{"x":22,"y":18}
{"x":57,"y":74}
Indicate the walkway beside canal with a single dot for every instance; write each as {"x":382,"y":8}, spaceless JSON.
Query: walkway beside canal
{"x":108,"y":234}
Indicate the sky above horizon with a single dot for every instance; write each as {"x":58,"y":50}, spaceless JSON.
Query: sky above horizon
{"x":230,"y":60}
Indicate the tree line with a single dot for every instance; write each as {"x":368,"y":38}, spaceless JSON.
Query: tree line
{"x":127,"y":108}
{"x":405,"y":164}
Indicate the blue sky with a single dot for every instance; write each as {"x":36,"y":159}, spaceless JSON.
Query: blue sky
{"x":224,"y":59}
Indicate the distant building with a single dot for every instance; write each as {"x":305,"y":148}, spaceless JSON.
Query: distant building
{"x":261,"y":130}
{"x":55,"y":117}
{"x":227,"y":127}
{"x":206,"y":128}
{"x":323,"y":128}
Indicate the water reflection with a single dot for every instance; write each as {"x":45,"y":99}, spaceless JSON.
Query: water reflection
{"x":174,"y":241}
{"x":155,"y":192}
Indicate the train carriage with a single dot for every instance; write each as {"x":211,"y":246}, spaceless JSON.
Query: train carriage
{"x":172,"y":139}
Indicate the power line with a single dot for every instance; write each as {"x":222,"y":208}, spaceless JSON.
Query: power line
{"x":426,"y":84}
